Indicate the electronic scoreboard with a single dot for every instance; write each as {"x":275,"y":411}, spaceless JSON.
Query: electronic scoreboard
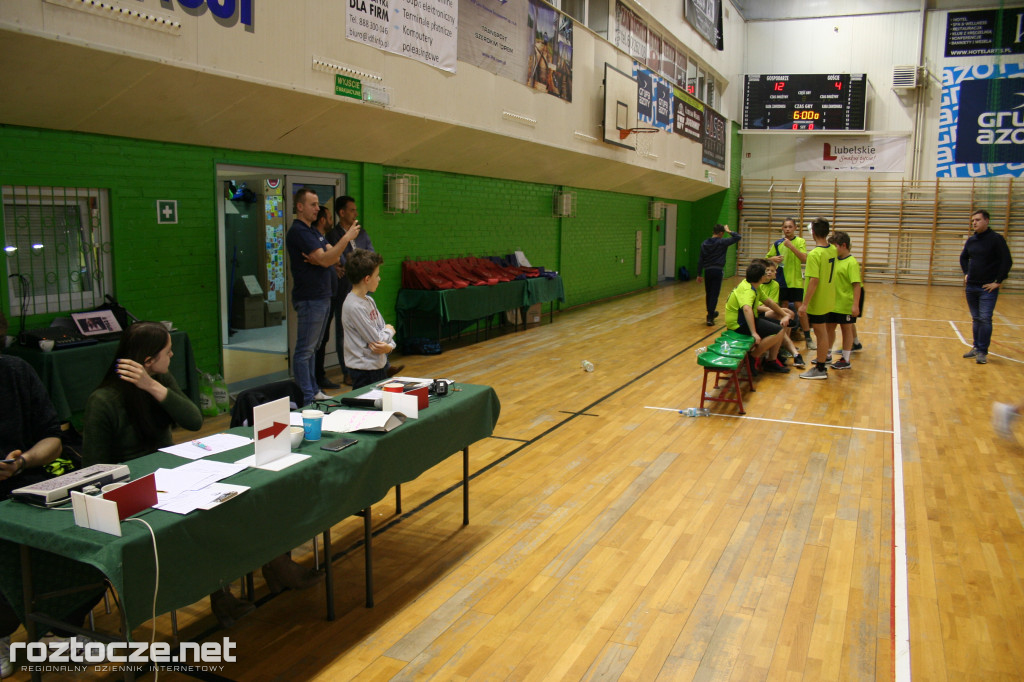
{"x":804,"y":101}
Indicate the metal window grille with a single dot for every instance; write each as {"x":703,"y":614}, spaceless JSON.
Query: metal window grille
{"x":57,"y":248}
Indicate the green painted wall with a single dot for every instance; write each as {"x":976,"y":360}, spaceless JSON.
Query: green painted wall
{"x":171,"y":272}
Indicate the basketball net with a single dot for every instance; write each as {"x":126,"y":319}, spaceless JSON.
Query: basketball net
{"x":642,"y":139}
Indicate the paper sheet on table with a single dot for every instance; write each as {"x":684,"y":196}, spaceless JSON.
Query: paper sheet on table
{"x":206,"y":498}
{"x":347,"y":421}
{"x":276,"y":465}
{"x":193,"y":476}
{"x":220,"y":442}
{"x":295,"y":419}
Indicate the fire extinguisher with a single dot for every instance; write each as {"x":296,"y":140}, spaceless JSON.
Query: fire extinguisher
{"x":739,"y":203}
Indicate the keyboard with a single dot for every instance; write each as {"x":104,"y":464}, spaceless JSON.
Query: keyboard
{"x":56,"y":491}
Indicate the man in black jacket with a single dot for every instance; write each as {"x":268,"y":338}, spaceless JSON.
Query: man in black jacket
{"x":986,"y":262}
{"x":710,"y":264}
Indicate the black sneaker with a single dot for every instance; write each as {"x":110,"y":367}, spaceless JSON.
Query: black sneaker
{"x":971,"y":353}
{"x":981,"y":358}
{"x":857,"y":346}
{"x":798,"y":361}
{"x":840,"y":364}
{"x":774,"y":367}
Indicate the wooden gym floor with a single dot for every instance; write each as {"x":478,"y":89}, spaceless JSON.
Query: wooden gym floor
{"x":611,"y":540}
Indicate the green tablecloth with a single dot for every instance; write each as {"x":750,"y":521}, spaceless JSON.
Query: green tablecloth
{"x":71,"y":374}
{"x":204,"y":550}
{"x":421,"y":312}
{"x":543,"y":289}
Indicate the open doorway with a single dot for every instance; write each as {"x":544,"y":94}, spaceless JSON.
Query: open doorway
{"x":257,"y":327}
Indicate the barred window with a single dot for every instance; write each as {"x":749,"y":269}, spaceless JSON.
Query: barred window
{"x":57,"y":248}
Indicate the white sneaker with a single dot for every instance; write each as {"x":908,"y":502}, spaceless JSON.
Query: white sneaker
{"x":1003,"y":416}
{"x":6,"y":669}
{"x":810,"y":343}
{"x":320,"y":395}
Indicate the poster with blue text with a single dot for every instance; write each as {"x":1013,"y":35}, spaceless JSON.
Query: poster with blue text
{"x":991,"y":145}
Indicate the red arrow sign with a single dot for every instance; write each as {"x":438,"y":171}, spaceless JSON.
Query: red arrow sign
{"x":271,"y":432}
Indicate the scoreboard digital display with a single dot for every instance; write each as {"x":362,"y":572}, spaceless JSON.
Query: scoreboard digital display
{"x":804,"y":101}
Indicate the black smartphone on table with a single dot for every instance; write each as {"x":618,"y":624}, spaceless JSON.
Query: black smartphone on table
{"x":339,"y":444}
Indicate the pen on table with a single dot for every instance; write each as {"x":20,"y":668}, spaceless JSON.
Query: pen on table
{"x":226,"y":496}
{"x":204,"y":446}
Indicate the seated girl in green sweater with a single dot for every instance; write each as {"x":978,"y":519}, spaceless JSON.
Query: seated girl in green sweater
{"x":138,"y":402}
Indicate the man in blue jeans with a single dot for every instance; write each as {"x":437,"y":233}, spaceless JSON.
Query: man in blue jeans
{"x":986,"y":262}
{"x":311,"y":257}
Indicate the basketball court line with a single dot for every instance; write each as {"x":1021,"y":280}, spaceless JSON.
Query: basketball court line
{"x":964,"y":341}
{"x":900,"y":614}
{"x":932,"y":319}
{"x":779,"y":421}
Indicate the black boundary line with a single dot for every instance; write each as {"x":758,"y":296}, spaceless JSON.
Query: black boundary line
{"x":579,"y":414}
{"x":518,"y":440}
{"x":572,"y":415}
{"x":212,"y":677}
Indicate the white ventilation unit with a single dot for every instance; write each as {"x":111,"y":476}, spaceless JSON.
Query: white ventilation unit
{"x":564,"y":204}
{"x":905,"y":77}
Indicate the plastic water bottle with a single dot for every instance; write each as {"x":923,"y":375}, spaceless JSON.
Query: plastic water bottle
{"x":696,"y":412}
{"x":588,"y":366}
{"x":725,"y":346}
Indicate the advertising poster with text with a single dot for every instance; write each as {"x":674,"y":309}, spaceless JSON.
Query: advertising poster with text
{"x":993,"y":124}
{"x":714,"y":139}
{"x":872,"y":155}
{"x":424,"y":30}
{"x":493,"y":37}
{"x":689,"y":115}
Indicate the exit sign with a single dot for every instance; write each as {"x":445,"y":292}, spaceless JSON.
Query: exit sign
{"x":348,"y":87}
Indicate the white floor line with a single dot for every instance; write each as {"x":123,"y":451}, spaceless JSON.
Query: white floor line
{"x":927,"y":336}
{"x":780,"y":421}
{"x":900,"y":598}
{"x":966,"y":343}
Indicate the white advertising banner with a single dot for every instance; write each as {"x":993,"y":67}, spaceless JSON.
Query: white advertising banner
{"x":494,"y":36}
{"x":424,"y":30}
{"x":871,"y":154}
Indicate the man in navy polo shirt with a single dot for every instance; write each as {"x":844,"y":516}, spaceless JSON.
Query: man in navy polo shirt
{"x":311,"y":257}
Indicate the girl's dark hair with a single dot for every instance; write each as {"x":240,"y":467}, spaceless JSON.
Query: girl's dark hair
{"x":140,"y":342}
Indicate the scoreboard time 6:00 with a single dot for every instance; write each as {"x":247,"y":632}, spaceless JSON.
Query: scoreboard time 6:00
{"x":816,"y":101}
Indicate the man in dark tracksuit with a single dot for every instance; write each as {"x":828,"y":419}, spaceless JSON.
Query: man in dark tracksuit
{"x":986,"y":262}
{"x":710,"y":264}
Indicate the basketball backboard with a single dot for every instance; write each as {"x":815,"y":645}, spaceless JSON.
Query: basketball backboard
{"x":620,"y":93}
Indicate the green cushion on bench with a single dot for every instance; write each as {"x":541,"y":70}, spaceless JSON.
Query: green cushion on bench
{"x":714,"y":360}
{"x":735,"y":351}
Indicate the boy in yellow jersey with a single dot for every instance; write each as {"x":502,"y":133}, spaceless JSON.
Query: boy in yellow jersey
{"x":741,"y":316}
{"x":849,"y":298}
{"x":789,"y":254}
{"x":768,"y":306}
{"x":820,"y":295}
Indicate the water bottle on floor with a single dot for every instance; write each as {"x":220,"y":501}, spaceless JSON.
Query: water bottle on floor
{"x":696,"y":412}
{"x":588,"y":366}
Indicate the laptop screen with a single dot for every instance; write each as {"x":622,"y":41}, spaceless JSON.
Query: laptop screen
{"x":96,"y":322}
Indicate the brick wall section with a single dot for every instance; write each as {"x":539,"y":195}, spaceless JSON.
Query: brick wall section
{"x":172,"y":272}
{"x":161,"y":272}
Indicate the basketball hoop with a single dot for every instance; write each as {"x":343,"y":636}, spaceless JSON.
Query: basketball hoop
{"x":641,"y":139}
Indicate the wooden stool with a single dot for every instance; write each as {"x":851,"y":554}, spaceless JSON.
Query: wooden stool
{"x":724,"y":366}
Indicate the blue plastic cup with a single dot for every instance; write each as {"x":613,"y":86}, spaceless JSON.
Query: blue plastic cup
{"x":312,"y":422}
